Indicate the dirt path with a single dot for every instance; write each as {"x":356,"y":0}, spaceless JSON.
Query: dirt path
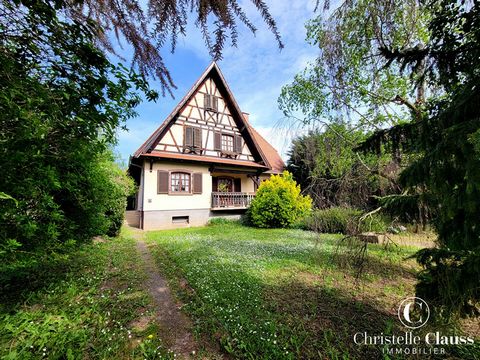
{"x":175,"y":326}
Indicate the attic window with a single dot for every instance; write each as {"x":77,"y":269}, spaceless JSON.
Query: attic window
{"x":211,"y":102}
{"x":227,"y":143}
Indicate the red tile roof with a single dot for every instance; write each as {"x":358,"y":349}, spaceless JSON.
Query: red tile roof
{"x":275,"y":162}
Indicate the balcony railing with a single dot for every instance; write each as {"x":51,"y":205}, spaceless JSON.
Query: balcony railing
{"x":231,"y":200}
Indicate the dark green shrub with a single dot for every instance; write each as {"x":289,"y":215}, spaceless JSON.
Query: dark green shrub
{"x":278,"y":203}
{"x":344,"y":220}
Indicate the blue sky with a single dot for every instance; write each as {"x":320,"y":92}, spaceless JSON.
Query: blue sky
{"x":256,"y":71}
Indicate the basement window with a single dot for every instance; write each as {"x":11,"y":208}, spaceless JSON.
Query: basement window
{"x":180,"y":219}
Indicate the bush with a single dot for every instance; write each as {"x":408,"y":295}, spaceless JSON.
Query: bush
{"x":344,"y":220}
{"x":278,"y":203}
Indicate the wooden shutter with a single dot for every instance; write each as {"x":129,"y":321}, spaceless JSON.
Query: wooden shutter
{"x":214,"y":103}
{"x":197,"y":137}
{"x":162,"y":182}
{"x":188,"y":138}
{"x":214,"y":184}
{"x":197,"y":183}
{"x":238,"y":144}
{"x":217,"y":141}
{"x":237,"y":185}
{"x":207,"y":101}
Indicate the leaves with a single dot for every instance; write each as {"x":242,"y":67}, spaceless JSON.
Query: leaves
{"x":278,"y":202}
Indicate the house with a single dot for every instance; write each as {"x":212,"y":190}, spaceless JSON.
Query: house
{"x":205,"y":160}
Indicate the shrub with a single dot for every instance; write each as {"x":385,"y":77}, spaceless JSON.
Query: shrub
{"x":278,"y":203}
{"x":343,"y":220}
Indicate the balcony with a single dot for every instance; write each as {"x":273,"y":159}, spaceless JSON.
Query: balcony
{"x":231,"y":200}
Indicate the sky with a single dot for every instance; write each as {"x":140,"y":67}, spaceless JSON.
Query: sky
{"x":255,"y":71}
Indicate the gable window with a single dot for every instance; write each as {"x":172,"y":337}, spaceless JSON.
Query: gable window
{"x":227,"y":142}
{"x":179,"y":182}
{"x":210,"y":102}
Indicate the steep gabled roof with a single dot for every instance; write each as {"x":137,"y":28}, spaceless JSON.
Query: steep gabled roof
{"x":214,"y":72}
{"x":265,"y":154}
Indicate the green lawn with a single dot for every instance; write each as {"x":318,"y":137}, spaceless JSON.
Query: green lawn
{"x":271,"y":294}
{"x":283,"y":294}
{"x":87,"y":304}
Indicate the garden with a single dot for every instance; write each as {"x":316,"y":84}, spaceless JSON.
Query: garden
{"x":287,"y":293}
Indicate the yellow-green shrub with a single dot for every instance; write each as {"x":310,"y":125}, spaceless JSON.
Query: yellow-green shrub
{"x":278,"y":203}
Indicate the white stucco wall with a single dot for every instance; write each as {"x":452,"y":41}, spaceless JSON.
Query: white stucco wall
{"x":154,"y":201}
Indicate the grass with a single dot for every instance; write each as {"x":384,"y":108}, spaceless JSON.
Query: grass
{"x":87,"y":304}
{"x":283,"y":294}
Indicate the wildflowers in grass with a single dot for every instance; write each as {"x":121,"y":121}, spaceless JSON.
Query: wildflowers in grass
{"x":232,"y":270}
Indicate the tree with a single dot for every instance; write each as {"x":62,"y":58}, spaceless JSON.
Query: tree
{"x":61,"y":104}
{"x":421,"y":57}
{"x":349,"y":79}
{"x":327,"y":167}
{"x":148,"y":27}
{"x":278,"y":203}
{"x":445,"y":142}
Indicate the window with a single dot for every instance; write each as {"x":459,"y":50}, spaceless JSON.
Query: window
{"x":227,"y":142}
{"x":210,"y":102}
{"x":179,"y":182}
{"x":180,"y":220}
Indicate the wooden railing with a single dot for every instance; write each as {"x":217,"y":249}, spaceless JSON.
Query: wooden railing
{"x":231,"y":200}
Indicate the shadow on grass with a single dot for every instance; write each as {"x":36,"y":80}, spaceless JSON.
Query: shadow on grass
{"x":330,"y":318}
{"x":21,"y":279}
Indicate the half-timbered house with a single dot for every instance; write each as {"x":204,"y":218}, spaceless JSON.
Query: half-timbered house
{"x":205,"y":160}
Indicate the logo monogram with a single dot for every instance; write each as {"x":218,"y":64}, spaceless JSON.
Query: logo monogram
{"x":413,"y":312}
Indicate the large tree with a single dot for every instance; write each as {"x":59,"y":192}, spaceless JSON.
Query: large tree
{"x":327,"y":166}
{"x":349,"y":80}
{"x":413,"y":65}
{"x":61,"y":103}
{"x":445,"y":142}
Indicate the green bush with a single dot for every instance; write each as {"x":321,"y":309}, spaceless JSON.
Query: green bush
{"x":278,"y":203}
{"x":343,"y":220}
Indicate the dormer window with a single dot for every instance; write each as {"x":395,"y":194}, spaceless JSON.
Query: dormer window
{"x":211,"y":102}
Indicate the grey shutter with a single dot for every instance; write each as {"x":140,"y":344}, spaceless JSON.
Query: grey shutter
{"x":162,"y":182}
{"x":188,"y":138}
{"x":237,"y":185}
{"x":217,"y":141}
{"x":215,"y":103}
{"x":197,"y":183}
{"x":207,"y":101}
{"x":238,"y":144}
{"x":197,"y":137}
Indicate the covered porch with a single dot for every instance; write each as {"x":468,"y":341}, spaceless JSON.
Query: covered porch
{"x":232,"y":189}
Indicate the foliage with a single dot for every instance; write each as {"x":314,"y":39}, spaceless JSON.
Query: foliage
{"x":79,"y":305}
{"x":338,"y":220}
{"x":348,"y":80}
{"x":447,"y":163}
{"x":61,"y":104}
{"x":327,"y":167}
{"x":147,"y":27}
{"x":278,"y":202}
{"x":282,"y":293}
